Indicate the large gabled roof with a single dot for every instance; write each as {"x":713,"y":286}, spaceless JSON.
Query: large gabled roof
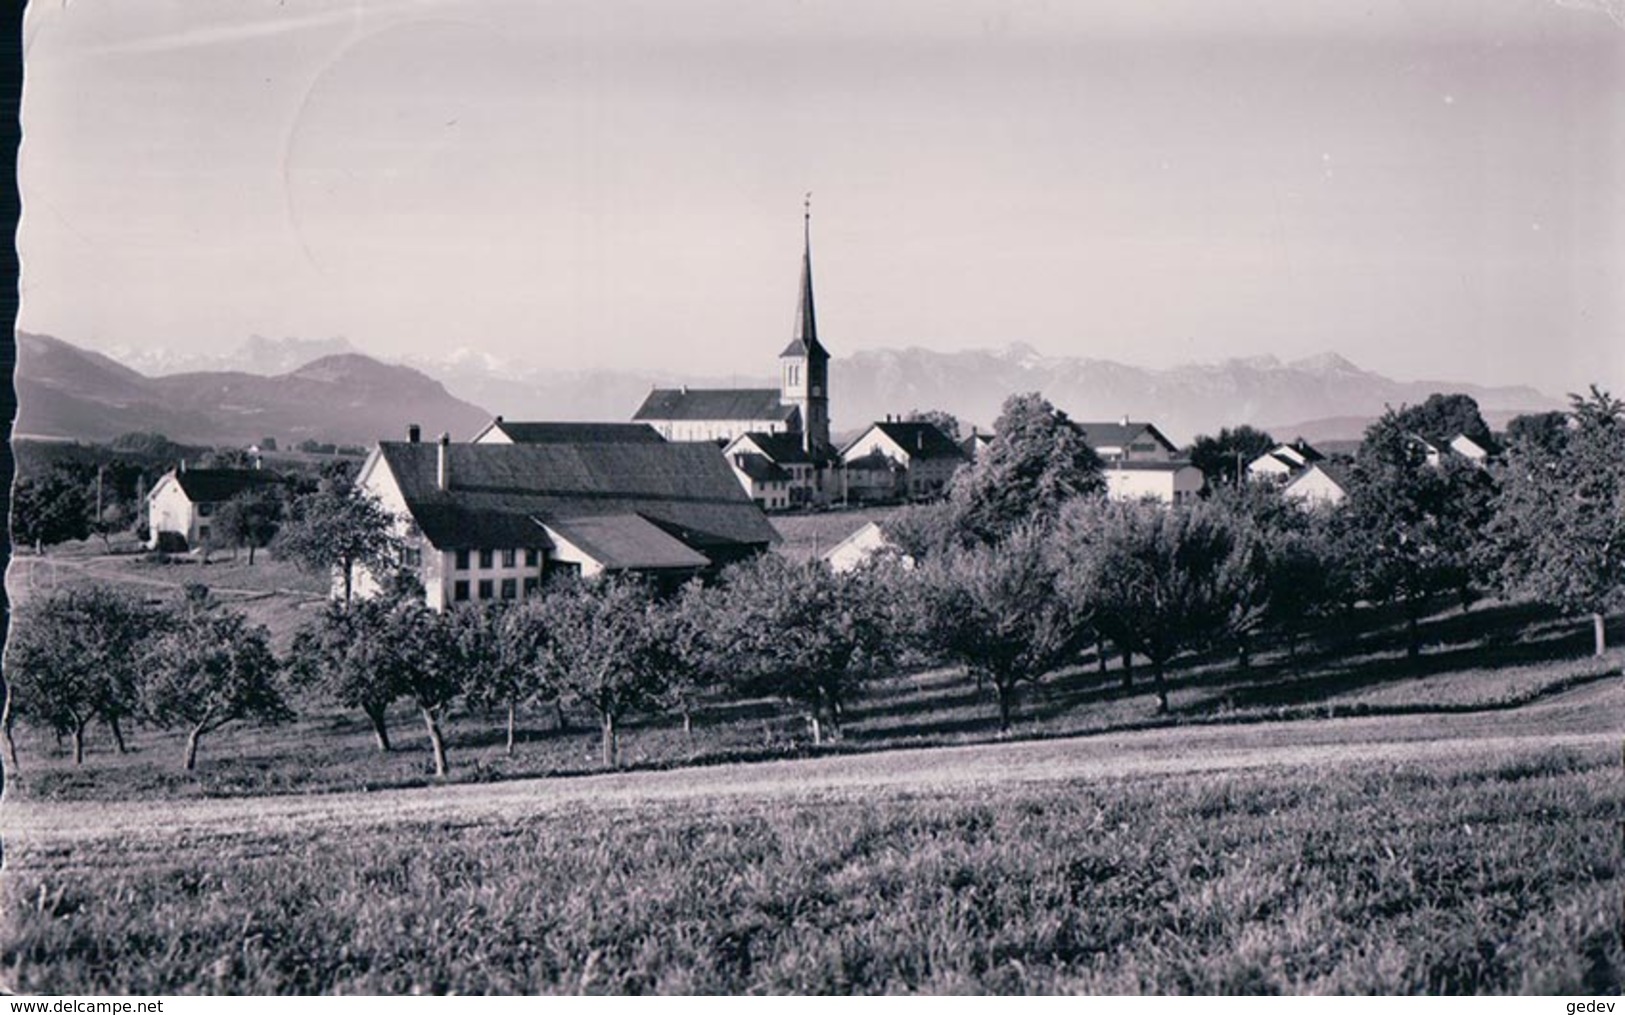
{"x":1120,"y":433}
{"x":786,"y":448}
{"x":500,"y":495}
{"x":547,"y":432}
{"x":628,"y":542}
{"x":716,"y":403}
{"x":212,"y":485}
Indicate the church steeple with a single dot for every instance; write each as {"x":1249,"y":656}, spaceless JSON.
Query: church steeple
{"x":804,"y":363}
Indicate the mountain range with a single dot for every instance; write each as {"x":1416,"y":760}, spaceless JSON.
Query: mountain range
{"x":64,"y":391}
{"x":267,"y":388}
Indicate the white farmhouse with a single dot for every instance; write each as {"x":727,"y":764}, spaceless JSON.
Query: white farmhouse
{"x":491,"y":521}
{"x":181,"y":505}
{"x":1140,"y":462}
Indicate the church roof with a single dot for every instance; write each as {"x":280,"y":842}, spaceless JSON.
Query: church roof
{"x":716,"y":403}
{"x":526,"y":432}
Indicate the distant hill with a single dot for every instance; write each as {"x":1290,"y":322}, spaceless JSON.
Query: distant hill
{"x":67,"y":392}
{"x":865,"y":386}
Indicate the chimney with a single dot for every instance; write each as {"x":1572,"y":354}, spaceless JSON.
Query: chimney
{"x":414,"y":433}
{"x":443,"y":473}
{"x":1125,"y":419}
{"x":183,"y":465}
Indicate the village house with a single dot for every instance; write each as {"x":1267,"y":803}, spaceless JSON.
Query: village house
{"x":798,"y":410}
{"x":492,"y":521}
{"x":806,"y":475}
{"x":975,"y":444}
{"x":1323,"y":483}
{"x":1284,"y":461}
{"x":867,"y":543}
{"x":1138,"y":462}
{"x":182,"y":504}
{"x":923,"y":459}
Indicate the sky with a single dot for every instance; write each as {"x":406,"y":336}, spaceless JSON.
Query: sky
{"x":1434,"y":189}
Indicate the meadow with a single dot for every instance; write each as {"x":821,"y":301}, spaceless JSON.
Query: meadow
{"x":1488,"y":872}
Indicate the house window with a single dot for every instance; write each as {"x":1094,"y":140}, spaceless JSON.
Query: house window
{"x":485,"y":588}
{"x":486,"y":557}
{"x":531,"y":586}
{"x":205,"y":509}
{"x":508,"y":559}
{"x":533,"y":557}
{"x":510,"y":588}
{"x":412,"y":556}
{"x":462,"y":561}
{"x":202,"y":532}
{"x":459,"y":592}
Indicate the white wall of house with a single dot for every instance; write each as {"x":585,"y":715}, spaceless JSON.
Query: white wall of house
{"x":769,"y":494}
{"x":169,"y":510}
{"x":859,"y":547}
{"x":1314,"y":487}
{"x":713,"y":429}
{"x":1175,"y":485}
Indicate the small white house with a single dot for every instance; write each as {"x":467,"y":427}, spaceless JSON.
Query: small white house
{"x":862,"y":546}
{"x":763,"y":479}
{"x":183,"y":502}
{"x":1171,"y":482}
{"x":1321,"y":484}
{"x":1284,"y":461}
{"x":1127,"y":440}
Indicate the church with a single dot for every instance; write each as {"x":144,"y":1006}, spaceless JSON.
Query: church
{"x":767,"y":434}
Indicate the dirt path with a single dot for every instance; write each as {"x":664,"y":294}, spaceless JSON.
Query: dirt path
{"x":1590,"y":719}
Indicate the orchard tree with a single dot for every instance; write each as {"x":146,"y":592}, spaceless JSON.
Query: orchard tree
{"x":345,"y":656}
{"x":48,"y":509}
{"x":1153,"y":576}
{"x":1560,"y":522}
{"x":1038,"y":460}
{"x":1223,"y":459}
{"x":76,"y":657}
{"x":1417,"y":525}
{"x":1442,"y":417}
{"x":997,"y":611}
{"x":430,"y":664}
{"x":249,"y":519}
{"x":1545,"y":431}
{"x":339,"y":527}
{"x":803,"y":633}
{"x":601,"y":650}
{"x":210,"y":669}
{"x":685,"y":649}
{"x":504,"y":655}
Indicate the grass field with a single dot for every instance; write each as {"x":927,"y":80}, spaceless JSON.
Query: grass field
{"x":1496,"y":871}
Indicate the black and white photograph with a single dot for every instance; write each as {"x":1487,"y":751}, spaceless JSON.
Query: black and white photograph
{"x":735,"y":497}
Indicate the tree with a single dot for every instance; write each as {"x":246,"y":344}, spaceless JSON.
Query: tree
{"x":249,"y":519}
{"x":208,"y":670}
{"x":997,"y":611}
{"x":1545,"y":430}
{"x":1036,"y":462}
{"x":685,"y":651}
{"x":1153,"y":576}
{"x":601,"y":650}
{"x":803,"y":633}
{"x":1417,"y":525}
{"x":504,"y":655}
{"x":49,"y":509}
{"x":1223,"y":459}
{"x":339,"y":527}
{"x":1560,"y":520}
{"x":429,"y":663}
{"x":947,"y":422}
{"x":1442,"y":417}
{"x":345,"y":655}
{"x":75,"y":657}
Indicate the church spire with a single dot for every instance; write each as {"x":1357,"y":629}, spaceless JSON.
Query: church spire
{"x":805,"y":342}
